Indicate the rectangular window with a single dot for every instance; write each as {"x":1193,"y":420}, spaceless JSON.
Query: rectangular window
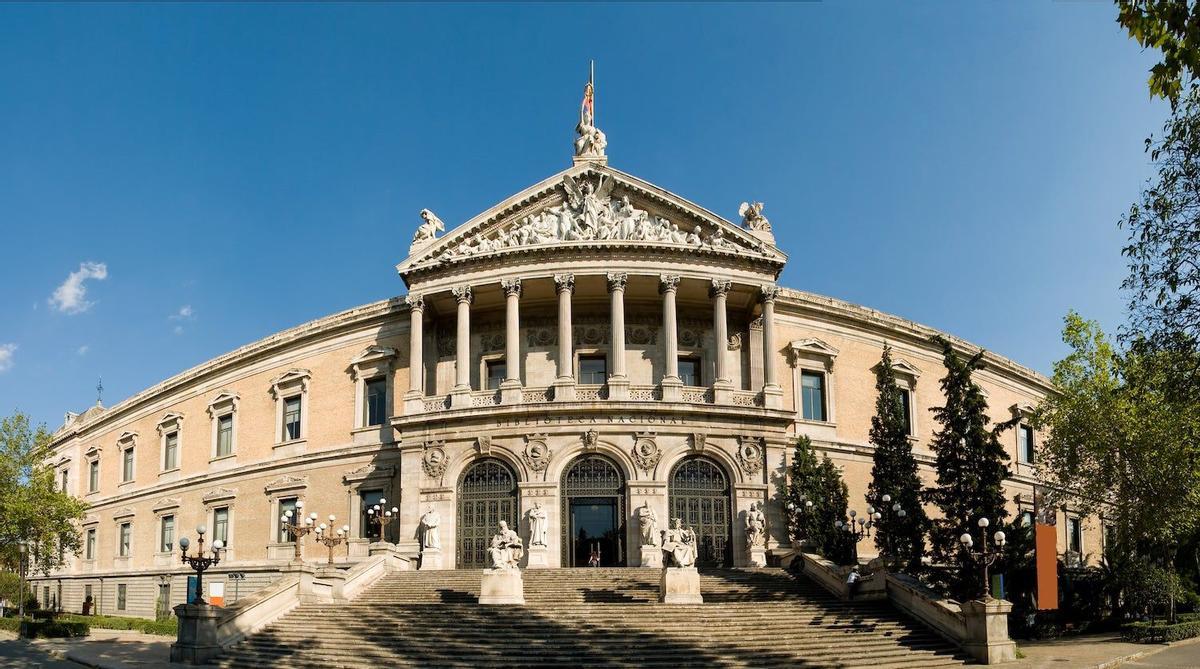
{"x":1074,"y":535}
{"x":1025,"y":443}
{"x":124,"y":534}
{"x":812,"y":395}
{"x":89,"y":548}
{"x":593,"y":370}
{"x":225,"y":435}
{"x":497,"y":370}
{"x":291,"y":418}
{"x":166,"y":541}
{"x":64,"y":480}
{"x":93,"y":476}
{"x":127,"y":465}
{"x":370,"y":498}
{"x":285,"y":505}
{"x":689,"y":371}
{"x":1027,"y":519}
{"x":171,"y":451}
{"x":121,"y":596}
{"x":906,"y":405}
{"x":377,"y":409}
{"x":221,"y":525}
{"x":87,"y":594}
{"x":1110,"y":537}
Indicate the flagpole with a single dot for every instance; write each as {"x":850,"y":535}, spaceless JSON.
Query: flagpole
{"x":592,"y":81}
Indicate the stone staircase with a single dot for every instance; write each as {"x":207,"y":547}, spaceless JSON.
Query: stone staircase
{"x":595,"y":618}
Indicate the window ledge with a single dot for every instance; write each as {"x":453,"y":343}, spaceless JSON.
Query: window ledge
{"x":218,"y":458}
{"x":291,"y":442}
{"x":168,"y":471}
{"x":125,"y":483}
{"x":816,"y":423}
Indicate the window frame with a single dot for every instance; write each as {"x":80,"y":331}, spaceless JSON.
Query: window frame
{"x":369,"y":405}
{"x":292,"y":428}
{"x":805,"y":392}
{"x":906,"y":404}
{"x":489,"y":364}
{"x":228,"y":538}
{"x":122,"y":596}
{"x":1026,"y":444}
{"x":1075,"y":531}
{"x":90,"y":541}
{"x":93,"y":475}
{"x":165,"y":546}
{"x":124,"y":539}
{"x":591,"y":356}
{"x":292,"y":384}
{"x":224,"y":405}
{"x":128,"y":464}
{"x":694,"y":359}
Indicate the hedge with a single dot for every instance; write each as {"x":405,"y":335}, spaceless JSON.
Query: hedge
{"x":163,"y":628}
{"x":1160,"y":631}
{"x":10,"y":624}
{"x":32,"y":629}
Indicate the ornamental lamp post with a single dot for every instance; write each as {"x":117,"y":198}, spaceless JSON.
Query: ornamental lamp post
{"x":325,"y":535}
{"x":380,"y":517}
{"x":805,"y":506}
{"x":858,"y":528}
{"x":198,"y":562}
{"x":986,"y":555}
{"x":893,"y":511}
{"x":298,"y":529}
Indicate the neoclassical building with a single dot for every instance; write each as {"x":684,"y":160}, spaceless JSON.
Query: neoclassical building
{"x":591,"y":345}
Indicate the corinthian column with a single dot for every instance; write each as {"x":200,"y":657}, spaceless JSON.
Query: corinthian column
{"x":772,"y":393}
{"x":510,"y":388}
{"x":671,"y":383}
{"x":564,"y":385}
{"x":618,"y":380}
{"x":414,"y":399}
{"x":723,"y":384}
{"x":460,"y":395}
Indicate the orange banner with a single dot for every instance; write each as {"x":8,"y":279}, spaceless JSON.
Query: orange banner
{"x":1046,"y":550}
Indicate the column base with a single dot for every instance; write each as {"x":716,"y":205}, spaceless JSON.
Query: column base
{"x":460,"y":397}
{"x":672,"y":389}
{"x":722,"y":391}
{"x":680,"y":585}
{"x":618,"y":388}
{"x":502,"y":586}
{"x":414,"y":403}
{"x":772,"y":396}
{"x":564,"y":389}
{"x":538,"y":557}
{"x":757,"y":556}
{"x":511,"y":391}
{"x":431,"y":559}
{"x":651,"y":556}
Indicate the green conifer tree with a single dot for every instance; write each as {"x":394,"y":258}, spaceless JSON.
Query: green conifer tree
{"x":900,"y":539}
{"x":972,"y":466}
{"x":803,"y":492}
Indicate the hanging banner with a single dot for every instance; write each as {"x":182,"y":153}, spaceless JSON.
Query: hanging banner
{"x":1045,"y":542}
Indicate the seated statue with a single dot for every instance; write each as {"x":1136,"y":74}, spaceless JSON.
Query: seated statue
{"x":679,"y":545}
{"x":506,"y":548}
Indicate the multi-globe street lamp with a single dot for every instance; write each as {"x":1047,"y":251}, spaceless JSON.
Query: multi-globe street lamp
{"x":199,"y":562}
{"x":301,"y":527}
{"x":858,"y":528}
{"x":326,"y":535}
{"x":890,"y":511}
{"x":985,"y":555}
{"x":380,"y":516}
{"x":805,"y":506}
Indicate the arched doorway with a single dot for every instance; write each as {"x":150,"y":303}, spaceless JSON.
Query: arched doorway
{"x":487,"y":494}
{"x":699,"y":495}
{"x":593,"y":512}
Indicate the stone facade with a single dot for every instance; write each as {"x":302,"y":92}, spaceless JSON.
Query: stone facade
{"x":594,"y":343}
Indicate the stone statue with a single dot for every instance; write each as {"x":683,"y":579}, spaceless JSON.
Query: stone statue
{"x":591,"y":141}
{"x":756,"y":526}
{"x":430,"y":226}
{"x":506,"y":548}
{"x":537,"y":525}
{"x":648,"y":524}
{"x":679,"y":545}
{"x":752,"y":217}
{"x":429,"y":529}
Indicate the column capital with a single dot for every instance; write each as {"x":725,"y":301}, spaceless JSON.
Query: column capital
{"x":463,"y":294}
{"x":668,"y":283}
{"x":617,"y":280}
{"x":564,"y":283}
{"x":720,"y":287}
{"x":770,"y":292}
{"x":415,"y":302}
{"x":511,"y":286}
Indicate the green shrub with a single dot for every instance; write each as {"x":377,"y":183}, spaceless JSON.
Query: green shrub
{"x":1151,"y":632}
{"x":10,"y":624}
{"x":163,"y":628}
{"x":33,"y":629}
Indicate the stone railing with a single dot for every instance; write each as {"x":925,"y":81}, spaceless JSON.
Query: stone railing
{"x":697,"y":395}
{"x":645,"y":393}
{"x":437,"y":404}
{"x":747,"y":398}
{"x":979,"y":627}
{"x":532,"y":395}
{"x":598,"y":393}
{"x":485,"y":398}
{"x":591,"y":393}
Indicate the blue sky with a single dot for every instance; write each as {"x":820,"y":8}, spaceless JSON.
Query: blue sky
{"x":212,"y":174}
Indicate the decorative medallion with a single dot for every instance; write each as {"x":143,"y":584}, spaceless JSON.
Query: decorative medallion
{"x":590,"y":439}
{"x":537,"y":452}
{"x":698,"y":441}
{"x":433,"y":460}
{"x":483,"y":444}
{"x":735,"y":341}
{"x":750,"y":454}
{"x":646,"y":453}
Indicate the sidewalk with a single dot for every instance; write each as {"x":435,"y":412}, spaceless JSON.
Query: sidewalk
{"x":1092,"y":651}
{"x":112,"y":649}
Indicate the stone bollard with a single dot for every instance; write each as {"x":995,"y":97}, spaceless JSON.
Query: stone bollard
{"x":502,"y":586}
{"x":680,"y":585}
{"x":196,"y":640}
{"x":987,"y":637}
{"x":651,"y":556}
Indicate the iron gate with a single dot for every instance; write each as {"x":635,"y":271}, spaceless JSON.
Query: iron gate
{"x":592,"y":476}
{"x":487,"y":494}
{"x":699,"y":495}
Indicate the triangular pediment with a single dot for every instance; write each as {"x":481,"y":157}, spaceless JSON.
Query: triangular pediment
{"x":588,"y":205}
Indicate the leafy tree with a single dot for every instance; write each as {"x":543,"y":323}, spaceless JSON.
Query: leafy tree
{"x":901,"y":540}
{"x":817,"y":498}
{"x":1172,"y":27}
{"x":31,"y":505}
{"x":972,"y":466}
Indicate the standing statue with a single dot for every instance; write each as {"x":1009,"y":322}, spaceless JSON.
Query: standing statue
{"x":591,"y":141}
{"x":430,"y":226}
{"x":752,"y":217}
{"x":506,"y":548}
{"x":679,"y":545}
{"x":537,"y":525}
{"x":756,"y":526}
{"x":429,"y":529}
{"x":648,"y":524}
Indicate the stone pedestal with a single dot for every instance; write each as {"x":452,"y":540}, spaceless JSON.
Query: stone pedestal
{"x":772,"y":396}
{"x":538,"y":557}
{"x":757,"y":556}
{"x":987,"y":637}
{"x":564,"y":389}
{"x":722,"y":391}
{"x":502,"y":586}
{"x":196,"y":640}
{"x":680,"y":585}
{"x":460,"y":397}
{"x":618,"y":388}
{"x":651,"y":556}
{"x":511,"y":392}
{"x":431,"y":558}
{"x":672,"y":389}
{"x":414,"y":403}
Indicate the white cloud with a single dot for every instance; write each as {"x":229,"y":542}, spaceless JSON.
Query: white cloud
{"x":6,"y":356}
{"x":82,"y":350}
{"x":178,"y":329}
{"x":185,"y":313}
{"x":71,"y":296}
